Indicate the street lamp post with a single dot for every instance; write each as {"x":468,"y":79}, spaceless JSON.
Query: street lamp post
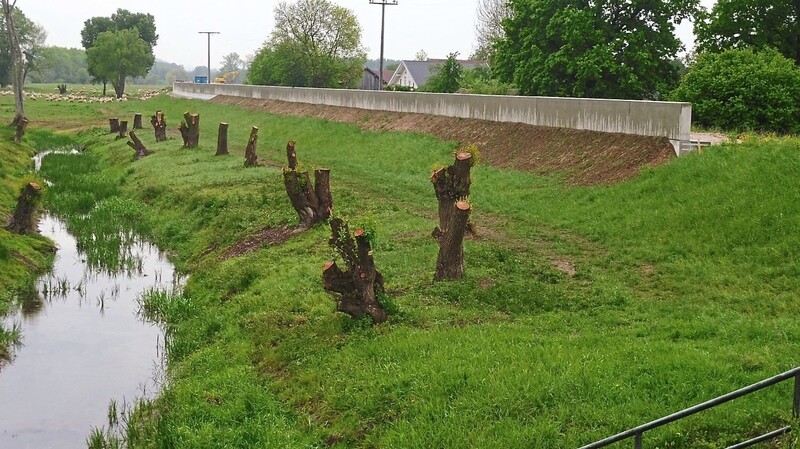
{"x":209,"y":33}
{"x":383,"y":4}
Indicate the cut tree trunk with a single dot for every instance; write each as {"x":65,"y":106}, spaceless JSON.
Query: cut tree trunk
{"x":190,"y":130}
{"x":21,"y":127}
{"x":450,"y":261}
{"x":136,"y":144}
{"x":137,"y":121}
{"x":291,"y":155}
{"x":123,"y":129}
{"x":360,"y":283}
{"x":113,"y":124}
{"x":23,"y":220}
{"x":250,"y":156}
{"x":159,"y":126}
{"x":452,"y":186}
{"x":222,"y":139}
{"x":312,"y":202}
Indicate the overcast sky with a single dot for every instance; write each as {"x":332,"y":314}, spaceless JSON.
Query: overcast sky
{"x":437,"y":26}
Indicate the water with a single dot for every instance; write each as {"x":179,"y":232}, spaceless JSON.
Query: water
{"x":84,"y":344}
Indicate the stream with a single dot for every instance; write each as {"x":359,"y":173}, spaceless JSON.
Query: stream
{"x":84,"y":345}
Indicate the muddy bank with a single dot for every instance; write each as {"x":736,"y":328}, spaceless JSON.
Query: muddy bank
{"x":581,"y":157}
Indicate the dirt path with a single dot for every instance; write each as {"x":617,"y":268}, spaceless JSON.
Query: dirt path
{"x":581,"y":157}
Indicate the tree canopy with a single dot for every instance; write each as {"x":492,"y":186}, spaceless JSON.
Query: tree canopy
{"x":751,"y":23}
{"x":142,"y":24}
{"x":31,"y":41}
{"x":314,"y":43}
{"x":741,"y":89}
{"x":604,"y":48}
{"x":489,"y":27}
{"x":116,"y":55}
{"x":446,"y":77}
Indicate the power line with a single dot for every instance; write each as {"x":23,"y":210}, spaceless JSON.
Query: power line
{"x":209,"y":33}
{"x":384,"y":4}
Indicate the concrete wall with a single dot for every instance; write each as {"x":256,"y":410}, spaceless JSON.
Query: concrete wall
{"x":644,"y":118}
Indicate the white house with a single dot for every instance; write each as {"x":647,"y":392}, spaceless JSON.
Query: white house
{"x":414,"y":74}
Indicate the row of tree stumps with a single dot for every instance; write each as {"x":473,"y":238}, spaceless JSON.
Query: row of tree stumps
{"x":358,"y":283}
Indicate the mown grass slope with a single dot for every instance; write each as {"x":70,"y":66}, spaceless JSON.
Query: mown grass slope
{"x":585,"y":311}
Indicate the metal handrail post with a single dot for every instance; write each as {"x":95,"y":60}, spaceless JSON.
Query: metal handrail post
{"x":796,"y":405}
{"x":638,"y":441}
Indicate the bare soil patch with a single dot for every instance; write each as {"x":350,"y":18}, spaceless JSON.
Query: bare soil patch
{"x":580,"y":157}
{"x":264,"y":237}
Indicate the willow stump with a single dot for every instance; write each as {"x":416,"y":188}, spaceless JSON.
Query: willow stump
{"x":222,"y":139}
{"x":22,"y":125}
{"x":312,"y":202}
{"x":23,"y":219}
{"x":123,"y":129}
{"x":113,"y":124}
{"x":136,"y":144}
{"x":250,"y":156}
{"x":452,"y":185}
{"x":360,"y":283}
{"x":137,"y":121}
{"x":159,"y":126}
{"x":190,"y":130}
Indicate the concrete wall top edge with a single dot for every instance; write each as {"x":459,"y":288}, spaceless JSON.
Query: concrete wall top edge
{"x":434,"y":94}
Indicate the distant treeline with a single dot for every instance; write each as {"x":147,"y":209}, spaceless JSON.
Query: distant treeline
{"x":68,"y":65}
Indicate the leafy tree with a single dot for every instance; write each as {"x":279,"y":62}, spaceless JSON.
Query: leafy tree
{"x":61,"y":65}
{"x":751,"y":23}
{"x":489,"y":27}
{"x":143,"y":24}
{"x":447,"y":77}
{"x":31,"y":41}
{"x":323,"y":42}
{"x":741,"y":89}
{"x":605,"y":48}
{"x":116,"y":55}
{"x":231,"y":67}
{"x":11,"y":33}
{"x":421,"y":56}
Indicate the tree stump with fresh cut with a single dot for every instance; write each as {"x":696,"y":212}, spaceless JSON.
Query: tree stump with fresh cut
{"x":190,"y":130}
{"x":159,"y":123}
{"x":123,"y":129}
{"x":113,"y":124}
{"x":250,"y":156}
{"x":452,"y":187}
{"x":312,"y":202}
{"x":222,"y":139}
{"x":136,"y":144}
{"x":137,"y":121}
{"x":360,"y":283}
{"x":23,"y":220}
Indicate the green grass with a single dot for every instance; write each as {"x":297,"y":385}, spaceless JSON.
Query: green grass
{"x":21,"y":257}
{"x":684,"y":289}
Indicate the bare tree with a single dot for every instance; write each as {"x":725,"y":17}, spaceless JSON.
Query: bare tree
{"x":18,"y":63}
{"x":489,"y":26}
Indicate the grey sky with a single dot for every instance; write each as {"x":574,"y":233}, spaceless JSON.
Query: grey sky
{"x":437,"y":26}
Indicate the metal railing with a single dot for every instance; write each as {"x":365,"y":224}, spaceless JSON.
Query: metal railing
{"x":638,"y":432}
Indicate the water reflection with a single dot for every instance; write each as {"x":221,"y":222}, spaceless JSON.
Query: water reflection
{"x":83,"y":343}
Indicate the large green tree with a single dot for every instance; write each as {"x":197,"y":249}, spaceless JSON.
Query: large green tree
{"x":741,"y":89}
{"x":143,"y":24}
{"x":582,"y":48}
{"x":117,"y":55}
{"x":751,"y":23}
{"x":31,"y":41}
{"x":446,"y":77}
{"x":314,"y":43}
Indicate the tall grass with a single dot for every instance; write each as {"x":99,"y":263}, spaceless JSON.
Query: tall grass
{"x":584,"y":310}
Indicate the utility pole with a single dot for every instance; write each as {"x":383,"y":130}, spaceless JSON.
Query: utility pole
{"x":209,"y":33}
{"x":383,"y":4}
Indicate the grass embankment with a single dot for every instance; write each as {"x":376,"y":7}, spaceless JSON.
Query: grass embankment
{"x":585,"y":311}
{"x":22,"y":257}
